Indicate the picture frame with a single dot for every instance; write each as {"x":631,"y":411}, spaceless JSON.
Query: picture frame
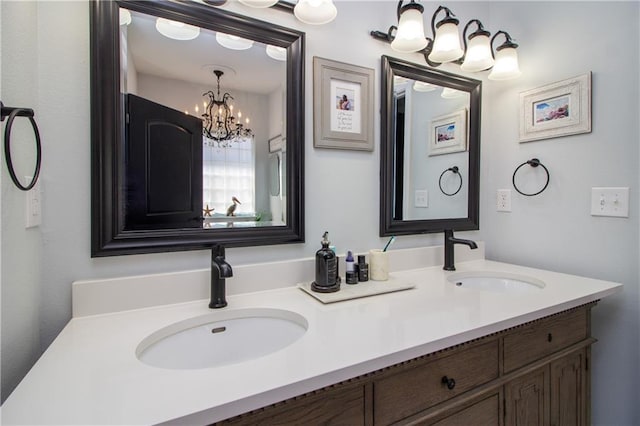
{"x":276,"y":144}
{"x":448,"y":133}
{"x":558,"y":109}
{"x":343,"y":105}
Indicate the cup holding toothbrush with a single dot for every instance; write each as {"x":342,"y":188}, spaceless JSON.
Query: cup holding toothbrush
{"x":378,"y":265}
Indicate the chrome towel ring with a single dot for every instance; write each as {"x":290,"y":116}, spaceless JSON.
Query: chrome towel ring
{"x":12,"y":113}
{"x":455,"y":171}
{"x":534,"y":162}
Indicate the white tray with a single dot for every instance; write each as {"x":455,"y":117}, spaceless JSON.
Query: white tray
{"x":355,"y":291}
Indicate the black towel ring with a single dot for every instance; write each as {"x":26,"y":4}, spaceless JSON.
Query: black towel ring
{"x":12,"y":113}
{"x":453,"y":170}
{"x":534,"y":162}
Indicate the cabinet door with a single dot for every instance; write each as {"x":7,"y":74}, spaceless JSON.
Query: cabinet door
{"x":329,"y":407}
{"x":569,"y":390}
{"x":527,"y":399}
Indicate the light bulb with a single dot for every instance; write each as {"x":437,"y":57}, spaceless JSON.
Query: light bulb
{"x":315,"y":12}
{"x":506,"y":66}
{"x":233,"y":42}
{"x":478,"y":56}
{"x":176,"y":30}
{"x":446,"y":46}
{"x":260,"y":4}
{"x":410,"y":34}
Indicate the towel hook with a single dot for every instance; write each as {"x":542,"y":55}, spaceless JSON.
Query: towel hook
{"x":455,"y":171}
{"x":534,"y":162}
{"x":12,"y":113}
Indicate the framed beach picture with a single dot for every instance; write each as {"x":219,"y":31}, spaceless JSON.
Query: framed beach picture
{"x":448,"y":133}
{"x":558,"y":109}
{"x":342,"y":105}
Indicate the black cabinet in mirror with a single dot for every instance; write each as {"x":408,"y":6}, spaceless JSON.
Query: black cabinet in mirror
{"x":185,"y":98}
{"x":430,"y":150}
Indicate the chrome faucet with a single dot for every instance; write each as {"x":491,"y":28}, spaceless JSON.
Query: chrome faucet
{"x":449,"y":242}
{"x":220,"y":271}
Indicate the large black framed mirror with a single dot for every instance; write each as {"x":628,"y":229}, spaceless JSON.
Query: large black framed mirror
{"x":430,"y":150}
{"x":150,"y":186}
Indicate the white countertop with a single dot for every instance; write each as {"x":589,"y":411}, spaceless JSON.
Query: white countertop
{"x":90,"y":374}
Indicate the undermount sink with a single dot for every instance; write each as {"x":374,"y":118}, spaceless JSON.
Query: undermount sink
{"x":501,"y":282}
{"x":221,"y":338}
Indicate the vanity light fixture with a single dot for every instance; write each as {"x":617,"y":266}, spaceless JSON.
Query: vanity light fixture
{"x":260,"y":4}
{"x":506,"y":59}
{"x":446,"y":43}
{"x":276,"y":52}
{"x":315,"y":12}
{"x":449,"y":93}
{"x":422,"y":86}
{"x":444,"y":46}
{"x":176,"y":30}
{"x":479,"y":56}
{"x":233,"y":42}
{"x":409,"y":36}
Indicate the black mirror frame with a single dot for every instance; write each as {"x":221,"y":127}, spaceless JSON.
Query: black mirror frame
{"x":389,"y":225}
{"x":108,"y":237}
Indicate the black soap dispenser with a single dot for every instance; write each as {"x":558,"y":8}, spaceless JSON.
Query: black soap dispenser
{"x":326,"y":269}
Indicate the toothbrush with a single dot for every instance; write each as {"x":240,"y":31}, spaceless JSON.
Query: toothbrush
{"x":391,"y":240}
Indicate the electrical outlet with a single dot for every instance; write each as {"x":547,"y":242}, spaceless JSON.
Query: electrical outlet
{"x":504,"y":200}
{"x":33,"y":206}
{"x":421,"y":198}
{"x":612,"y":202}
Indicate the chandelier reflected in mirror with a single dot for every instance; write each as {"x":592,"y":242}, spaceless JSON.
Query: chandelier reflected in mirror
{"x":220,"y":125}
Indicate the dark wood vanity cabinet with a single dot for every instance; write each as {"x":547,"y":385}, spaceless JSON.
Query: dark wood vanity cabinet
{"x":533,"y":374}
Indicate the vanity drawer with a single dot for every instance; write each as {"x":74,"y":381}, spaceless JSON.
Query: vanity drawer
{"x":544,"y":337}
{"x":421,"y":386}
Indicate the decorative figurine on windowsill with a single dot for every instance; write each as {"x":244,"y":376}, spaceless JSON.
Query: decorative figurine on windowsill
{"x":232,"y":208}
{"x":207,"y":211}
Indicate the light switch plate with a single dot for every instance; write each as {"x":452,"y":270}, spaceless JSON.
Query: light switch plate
{"x":612,"y":202}
{"x":503,"y":201}
{"x":421,"y":198}
{"x":33,"y":206}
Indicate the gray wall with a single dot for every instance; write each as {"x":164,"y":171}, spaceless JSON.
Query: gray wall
{"x":555,"y":229}
{"x":21,"y":249}
{"x":552,"y":231}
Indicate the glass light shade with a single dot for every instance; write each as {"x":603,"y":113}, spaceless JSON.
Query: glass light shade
{"x":449,"y":93}
{"x":258,"y":3}
{"x":125,"y":17}
{"x":446,"y":46}
{"x":421,"y":86}
{"x":176,"y":30}
{"x":478,"y":56}
{"x":506,"y":66}
{"x":410,"y":34}
{"x":276,"y":52}
{"x":233,"y":42}
{"x":315,"y":12}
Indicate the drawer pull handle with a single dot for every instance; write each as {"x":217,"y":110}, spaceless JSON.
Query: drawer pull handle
{"x":549,"y":337}
{"x":451,"y":383}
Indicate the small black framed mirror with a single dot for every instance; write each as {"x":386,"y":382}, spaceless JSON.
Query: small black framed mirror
{"x":430,"y":150}
{"x":133,"y":173}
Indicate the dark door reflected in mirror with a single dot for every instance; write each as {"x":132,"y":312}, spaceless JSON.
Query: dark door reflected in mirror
{"x":430,"y":150}
{"x":181,"y":124}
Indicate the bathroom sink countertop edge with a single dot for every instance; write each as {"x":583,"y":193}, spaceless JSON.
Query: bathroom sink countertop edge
{"x":90,"y":374}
